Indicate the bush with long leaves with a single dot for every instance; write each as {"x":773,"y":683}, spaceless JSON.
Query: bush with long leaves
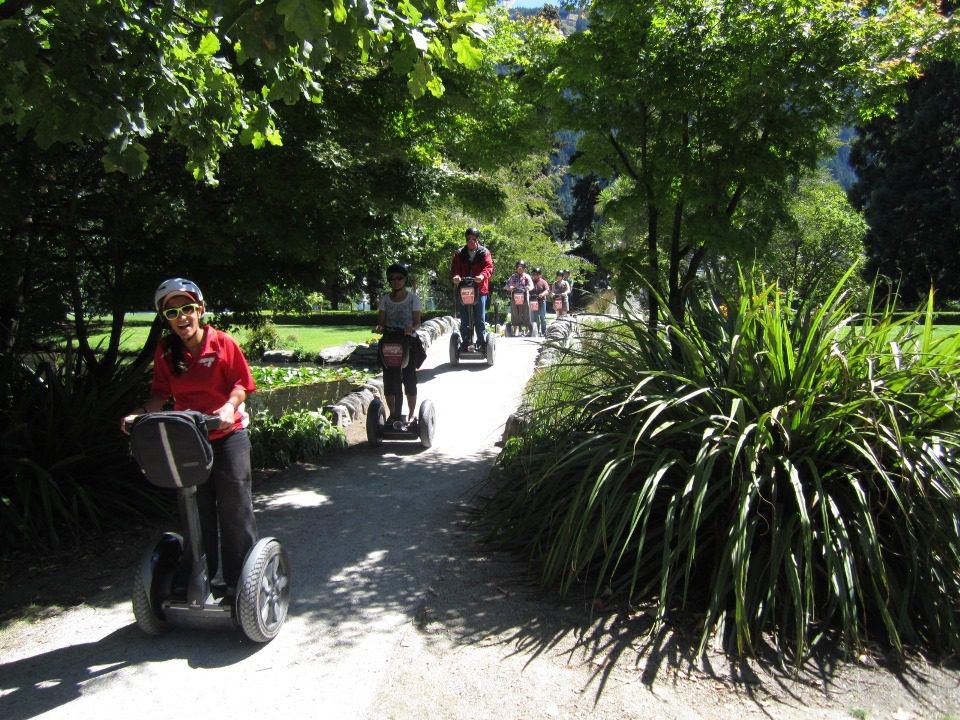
{"x":776,"y":470}
{"x":65,"y":467}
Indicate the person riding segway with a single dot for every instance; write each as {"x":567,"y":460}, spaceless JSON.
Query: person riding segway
{"x":471,"y":269}
{"x":538,"y":300}
{"x":400,"y":354}
{"x":204,"y":373}
{"x":519,"y":286}
{"x":460,"y":350}
{"x":561,"y":295}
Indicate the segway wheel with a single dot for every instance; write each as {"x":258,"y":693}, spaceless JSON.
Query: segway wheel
{"x":534,"y":331}
{"x":455,"y":349}
{"x":263,"y":596}
{"x":509,"y":331}
{"x":491,"y":348}
{"x":426,"y":423}
{"x":151,"y":579}
{"x":376,"y":419}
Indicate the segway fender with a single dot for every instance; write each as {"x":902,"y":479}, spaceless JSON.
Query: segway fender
{"x":151,"y":581}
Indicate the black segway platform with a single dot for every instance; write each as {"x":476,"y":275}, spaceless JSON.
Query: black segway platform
{"x":380,"y":427}
{"x":170,"y":585}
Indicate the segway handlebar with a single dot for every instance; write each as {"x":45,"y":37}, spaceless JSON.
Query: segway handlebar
{"x":211,"y":422}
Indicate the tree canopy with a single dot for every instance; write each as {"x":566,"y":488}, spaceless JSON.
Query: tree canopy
{"x":705,"y":110}
{"x":206,"y":72}
{"x":324,"y":211}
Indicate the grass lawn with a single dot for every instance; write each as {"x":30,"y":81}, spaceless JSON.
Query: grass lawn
{"x":310,"y":338}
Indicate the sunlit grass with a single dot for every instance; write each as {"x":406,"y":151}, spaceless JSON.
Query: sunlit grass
{"x":311,"y":339}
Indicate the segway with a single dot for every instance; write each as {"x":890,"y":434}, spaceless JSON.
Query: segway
{"x":171,"y":585}
{"x":558,"y":305}
{"x":394,"y":355}
{"x":535,"y":315}
{"x":467,"y":296}
{"x":521,"y":312}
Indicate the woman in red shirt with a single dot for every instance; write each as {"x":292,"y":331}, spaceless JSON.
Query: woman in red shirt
{"x":201,"y":368}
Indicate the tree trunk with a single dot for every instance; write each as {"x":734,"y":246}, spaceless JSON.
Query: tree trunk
{"x":653,"y":268}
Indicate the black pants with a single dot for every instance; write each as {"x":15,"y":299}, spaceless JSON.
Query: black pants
{"x":225,"y":502}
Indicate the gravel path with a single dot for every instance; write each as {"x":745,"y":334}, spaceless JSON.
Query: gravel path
{"x":399,"y":612}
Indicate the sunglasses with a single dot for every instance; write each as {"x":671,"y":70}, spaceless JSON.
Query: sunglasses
{"x":397,"y":277}
{"x":175,"y":312}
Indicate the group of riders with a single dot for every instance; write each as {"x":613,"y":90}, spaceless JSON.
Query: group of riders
{"x":474,"y":263}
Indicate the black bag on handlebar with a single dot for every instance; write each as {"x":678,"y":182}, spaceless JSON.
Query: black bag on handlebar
{"x":172,"y":448}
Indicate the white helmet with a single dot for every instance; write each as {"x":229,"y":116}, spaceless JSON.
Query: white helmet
{"x":176,"y":285}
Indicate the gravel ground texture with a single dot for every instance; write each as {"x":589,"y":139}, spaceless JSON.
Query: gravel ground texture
{"x":399,"y":611}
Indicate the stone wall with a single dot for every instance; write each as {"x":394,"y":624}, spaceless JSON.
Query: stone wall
{"x":283,"y":400}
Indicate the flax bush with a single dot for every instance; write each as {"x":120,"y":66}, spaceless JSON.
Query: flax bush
{"x":776,"y":471}
{"x":65,"y":467}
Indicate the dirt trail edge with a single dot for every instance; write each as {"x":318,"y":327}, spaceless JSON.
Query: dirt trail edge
{"x":399,"y":611}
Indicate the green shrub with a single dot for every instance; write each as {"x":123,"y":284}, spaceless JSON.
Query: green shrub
{"x":65,"y":466}
{"x":775,"y":470}
{"x":261,"y":338}
{"x":271,"y":377}
{"x":302,"y":436}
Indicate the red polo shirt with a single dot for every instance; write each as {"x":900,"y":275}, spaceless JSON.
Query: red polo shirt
{"x":208,"y":380}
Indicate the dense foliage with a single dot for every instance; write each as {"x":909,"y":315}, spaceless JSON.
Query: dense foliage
{"x":908,"y":167}
{"x":65,"y":467}
{"x":299,"y":436}
{"x":206,"y":72}
{"x":273,"y":377}
{"x":816,"y":244}
{"x":794,"y":474}
{"x":701,"y":113}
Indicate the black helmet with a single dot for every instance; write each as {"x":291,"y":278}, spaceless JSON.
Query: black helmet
{"x":472,"y":231}
{"x":521,"y":263}
{"x":397,"y":268}
{"x":537,"y":271}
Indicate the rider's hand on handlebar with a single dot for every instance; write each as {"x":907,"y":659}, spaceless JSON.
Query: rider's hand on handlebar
{"x":227,"y":415}
{"x":478,"y":278}
{"x":456,"y":279}
{"x":126,"y":423}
